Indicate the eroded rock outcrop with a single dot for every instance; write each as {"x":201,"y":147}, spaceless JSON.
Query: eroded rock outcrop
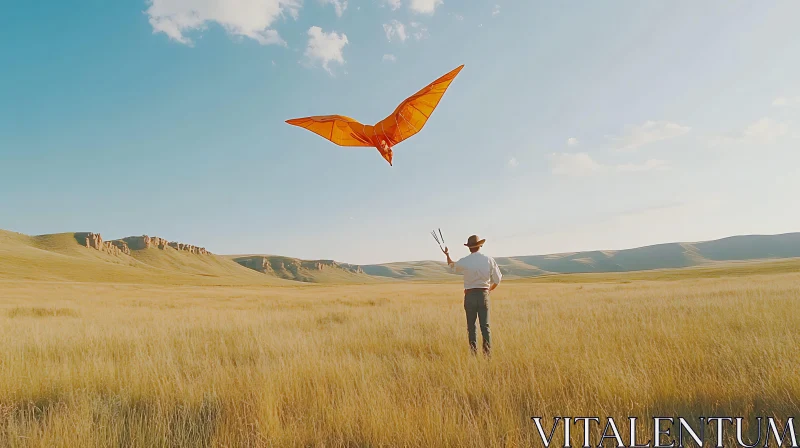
{"x":111,"y":248}
{"x":146,"y":242}
{"x":188,"y":248}
{"x":292,"y":268}
{"x":352,"y":268}
{"x":126,"y":245}
{"x":122,"y":246}
{"x":95,"y":241}
{"x":319,"y":265}
{"x":260,"y":264}
{"x":154,"y":242}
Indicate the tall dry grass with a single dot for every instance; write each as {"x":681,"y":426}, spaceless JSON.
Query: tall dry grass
{"x":122,"y":365}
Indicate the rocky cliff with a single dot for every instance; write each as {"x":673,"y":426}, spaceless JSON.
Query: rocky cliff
{"x":122,"y":245}
{"x":294,"y":269}
{"x":95,"y":241}
{"x":154,"y":242}
{"x":126,"y":245}
{"x":188,"y":248}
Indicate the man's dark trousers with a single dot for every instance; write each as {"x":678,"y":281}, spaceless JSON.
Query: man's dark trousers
{"x":476,"y":304}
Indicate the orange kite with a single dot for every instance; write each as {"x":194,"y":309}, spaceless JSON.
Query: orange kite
{"x":408,"y":119}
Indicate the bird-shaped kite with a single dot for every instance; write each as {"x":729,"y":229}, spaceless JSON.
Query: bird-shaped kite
{"x":408,"y":119}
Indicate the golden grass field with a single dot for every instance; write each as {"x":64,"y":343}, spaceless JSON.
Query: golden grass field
{"x":104,"y":364}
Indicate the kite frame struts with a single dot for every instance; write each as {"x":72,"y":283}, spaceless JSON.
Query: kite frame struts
{"x":439,"y":239}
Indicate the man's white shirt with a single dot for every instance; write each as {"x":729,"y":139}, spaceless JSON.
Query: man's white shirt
{"x":479,"y":270}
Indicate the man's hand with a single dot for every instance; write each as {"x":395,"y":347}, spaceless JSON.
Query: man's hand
{"x":491,"y":288}
{"x":447,"y":254}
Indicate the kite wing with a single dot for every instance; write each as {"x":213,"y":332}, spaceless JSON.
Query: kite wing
{"x":341,"y":130}
{"x":412,"y":114}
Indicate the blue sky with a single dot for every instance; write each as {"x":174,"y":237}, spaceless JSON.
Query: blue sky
{"x":574,"y":125}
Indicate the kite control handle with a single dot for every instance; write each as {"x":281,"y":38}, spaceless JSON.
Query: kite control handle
{"x":439,"y":240}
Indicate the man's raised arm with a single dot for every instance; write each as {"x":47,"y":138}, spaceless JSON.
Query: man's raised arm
{"x":450,"y":261}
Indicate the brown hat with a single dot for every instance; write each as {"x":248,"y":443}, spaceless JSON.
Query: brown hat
{"x":473,"y":241}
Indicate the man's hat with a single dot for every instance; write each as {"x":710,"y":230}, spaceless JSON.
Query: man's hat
{"x":473,"y":241}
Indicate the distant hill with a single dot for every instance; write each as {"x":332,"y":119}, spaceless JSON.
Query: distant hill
{"x":85,"y":257}
{"x":144,"y":259}
{"x":310,"y":271}
{"x":411,"y":270}
{"x":660,"y":256}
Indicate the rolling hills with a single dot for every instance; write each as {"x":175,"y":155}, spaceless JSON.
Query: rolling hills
{"x":310,"y":271}
{"x":660,"y":256}
{"x":66,"y":257}
{"x":85,"y":257}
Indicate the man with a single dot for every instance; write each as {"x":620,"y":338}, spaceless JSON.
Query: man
{"x":481,"y":276}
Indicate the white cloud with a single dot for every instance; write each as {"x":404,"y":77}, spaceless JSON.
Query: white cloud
{"x":650,"y":165}
{"x":325,"y":47}
{"x":246,"y":18}
{"x":582,"y":164}
{"x":496,"y":10}
{"x":513,"y":163}
{"x":784,"y":101}
{"x":395,"y":29}
{"x":764,"y":131}
{"x":650,"y":132}
{"x":339,"y":5}
{"x":419,"y":32}
{"x":425,"y":6}
{"x":393,"y":4}
{"x":579,"y":164}
{"x":389,"y":58}
{"x":572,"y":141}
